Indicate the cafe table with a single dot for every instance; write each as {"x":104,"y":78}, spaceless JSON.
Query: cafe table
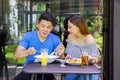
{"x":55,"y":68}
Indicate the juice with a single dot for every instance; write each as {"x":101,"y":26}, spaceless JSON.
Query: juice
{"x":44,"y":60}
{"x":84,"y":61}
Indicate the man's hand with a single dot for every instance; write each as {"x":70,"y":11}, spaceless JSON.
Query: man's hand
{"x":31,"y":50}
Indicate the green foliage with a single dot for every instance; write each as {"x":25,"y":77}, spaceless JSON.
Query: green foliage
{"x":4,"y":10}
{"x":10,"y":50}
{"x":95,"y":26}
{"x":99,"y":40}
{"x":61,"y":22}
{"x":41,"y":6}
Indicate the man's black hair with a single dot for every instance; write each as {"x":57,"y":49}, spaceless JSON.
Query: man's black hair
{"x":47,"y":16}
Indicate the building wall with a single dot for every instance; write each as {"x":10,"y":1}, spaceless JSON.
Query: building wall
{"x":116,"y":40}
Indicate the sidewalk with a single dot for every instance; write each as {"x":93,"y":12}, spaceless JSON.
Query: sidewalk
{"x":12,"y":73}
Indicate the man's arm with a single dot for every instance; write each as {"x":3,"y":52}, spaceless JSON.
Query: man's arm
{"x":21,"y":52}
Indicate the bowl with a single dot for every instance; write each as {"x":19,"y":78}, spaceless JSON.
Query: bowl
{"x":51,"y":58}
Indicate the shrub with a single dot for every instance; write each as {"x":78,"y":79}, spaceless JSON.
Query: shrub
{"x":10,"y":50}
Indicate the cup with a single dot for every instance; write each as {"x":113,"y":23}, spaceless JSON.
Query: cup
{"x":44,"y":57}
{"x":84,"y":59}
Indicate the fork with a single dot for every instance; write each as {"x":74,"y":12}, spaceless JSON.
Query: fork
{"x":54,"y":52}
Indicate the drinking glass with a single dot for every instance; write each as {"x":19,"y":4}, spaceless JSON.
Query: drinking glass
{"x":84,"y":59}
{"x":44,"y":56}
{"x":62,"y":61}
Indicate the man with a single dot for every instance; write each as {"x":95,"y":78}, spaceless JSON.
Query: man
{"x":33,"y":41}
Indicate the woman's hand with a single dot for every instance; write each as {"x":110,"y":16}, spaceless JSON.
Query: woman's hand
{"x":93,"y":60}
{"x":68,"y":57}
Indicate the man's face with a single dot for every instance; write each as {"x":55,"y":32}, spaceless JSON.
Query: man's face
{"x":44,"y":28}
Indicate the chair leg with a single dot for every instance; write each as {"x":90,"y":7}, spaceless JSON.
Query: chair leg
{"x":6,"y":71}
{"x":16,"y":68}
{"x":1,"y":72}
{"x":5,"y":63}
{"x":62,"y":76}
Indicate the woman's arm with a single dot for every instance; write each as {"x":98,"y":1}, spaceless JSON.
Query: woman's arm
{"x":91,"y":40}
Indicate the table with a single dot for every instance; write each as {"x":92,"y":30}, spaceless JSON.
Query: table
{"x":36,"y":68}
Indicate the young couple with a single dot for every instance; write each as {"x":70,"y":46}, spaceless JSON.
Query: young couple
{"x":79,"y":39}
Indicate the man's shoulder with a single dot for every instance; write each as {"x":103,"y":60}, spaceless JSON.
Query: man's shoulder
{"x":54,"y":35}
{"x":30,"y":33}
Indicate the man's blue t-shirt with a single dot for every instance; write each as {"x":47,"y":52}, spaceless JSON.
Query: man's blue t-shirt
{"x":31,"y":39}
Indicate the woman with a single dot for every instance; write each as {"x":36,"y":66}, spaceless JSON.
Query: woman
{"x":79,"y":40}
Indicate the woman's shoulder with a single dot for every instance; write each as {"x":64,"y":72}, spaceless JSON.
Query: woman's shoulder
{"x":89,"y":39}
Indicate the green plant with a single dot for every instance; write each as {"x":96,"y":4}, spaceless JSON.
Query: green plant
{"x":10,"y":50}
{"x":99,"y":40}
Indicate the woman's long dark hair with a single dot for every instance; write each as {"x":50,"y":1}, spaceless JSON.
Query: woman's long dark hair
{"x":79,"y":21}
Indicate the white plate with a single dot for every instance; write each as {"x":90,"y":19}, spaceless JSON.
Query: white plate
{"x":51,"y":58}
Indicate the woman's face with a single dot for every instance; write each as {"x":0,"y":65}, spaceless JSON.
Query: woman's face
{"x":72,"y":29}
{"x":44,"y":28}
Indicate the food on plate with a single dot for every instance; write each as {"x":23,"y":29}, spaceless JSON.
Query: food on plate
{"x":74,"y":60}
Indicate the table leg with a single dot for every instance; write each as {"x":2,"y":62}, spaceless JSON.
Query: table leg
{"x":85,"y":77}
{"x":42,"y":76}
{"x":6,"y":71}
{"x":90,"y":76}
{"x":62,"y":76}
{"x":35,"y":76}
{"x":32,"y":77}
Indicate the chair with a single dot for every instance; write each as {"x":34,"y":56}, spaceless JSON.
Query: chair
{"x":101,"y":65}
{"x":3,"y":63}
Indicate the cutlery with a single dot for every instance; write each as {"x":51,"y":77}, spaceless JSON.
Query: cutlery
{"x":53,"y":53}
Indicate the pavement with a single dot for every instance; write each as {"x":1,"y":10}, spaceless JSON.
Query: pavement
{"x":13,"y":71}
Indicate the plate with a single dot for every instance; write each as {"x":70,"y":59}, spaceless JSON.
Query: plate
{"x":51,"y":58}
{"x":74,"y":61}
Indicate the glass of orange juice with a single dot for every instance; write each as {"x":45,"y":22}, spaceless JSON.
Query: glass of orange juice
{"x":44,"y":57}
{"x":84,"y":59}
